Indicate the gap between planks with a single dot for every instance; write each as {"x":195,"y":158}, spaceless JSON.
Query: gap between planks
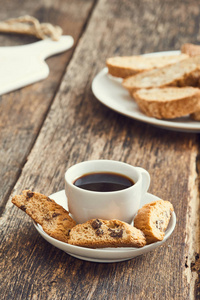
{"x":192,"y":263}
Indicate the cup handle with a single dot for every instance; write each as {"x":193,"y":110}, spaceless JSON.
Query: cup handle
{"x":145,"y":179}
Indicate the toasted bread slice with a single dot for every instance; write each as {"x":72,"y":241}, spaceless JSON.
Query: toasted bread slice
{"x":168,"y":103}
{"x":153,"y":218}
{"x":184,"y":73}
{"x":53,"y":218}
{"x":130,"y":65}
{"x":190,"y":49}
{"x":97,"y":233}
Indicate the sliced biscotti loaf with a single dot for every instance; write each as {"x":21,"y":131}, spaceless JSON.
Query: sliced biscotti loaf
{"x":190,"y":49}
{"x":184,"y":73}
{"x":125,"y":66}
{"x":53,"y":218}
{"x":168,"y":103}
{"x":97,"y":233}
{"x":153,"y":218}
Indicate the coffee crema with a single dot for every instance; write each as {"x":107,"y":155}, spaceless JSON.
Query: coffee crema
{"x":103,"y":182}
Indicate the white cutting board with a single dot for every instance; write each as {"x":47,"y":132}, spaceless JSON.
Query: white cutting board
{"x":23,"y":65}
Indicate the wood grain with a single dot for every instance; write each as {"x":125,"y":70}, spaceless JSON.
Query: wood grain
{"x":22,"y":112}
{"x":77,"y":127}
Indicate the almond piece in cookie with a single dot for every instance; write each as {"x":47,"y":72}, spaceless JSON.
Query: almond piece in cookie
{"x":53,"y":218}
{"x":97,"y":233}
{"x":153,"y":218}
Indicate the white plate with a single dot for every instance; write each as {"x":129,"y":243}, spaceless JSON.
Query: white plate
{"x":106,"y":255}
{"x":109,"y":91}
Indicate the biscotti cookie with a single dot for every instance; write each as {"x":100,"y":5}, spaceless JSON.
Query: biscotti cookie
{"x":97,"y":233}
{"x":169,"y":102}
{"x":53,"y":218}
{"x":190,"y":49}
{"x":184,"y":73}
{"x":153,"y":218}
{"x":124,"y":66}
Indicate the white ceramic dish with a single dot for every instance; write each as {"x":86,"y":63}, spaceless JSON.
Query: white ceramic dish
{"x":106,"y":255}
{"x":109,"y":91}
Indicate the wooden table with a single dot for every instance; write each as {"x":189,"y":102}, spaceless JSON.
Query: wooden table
{"x":50,"y":125}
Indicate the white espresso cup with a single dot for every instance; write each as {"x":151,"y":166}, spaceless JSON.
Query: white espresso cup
{"x":121,"y":204}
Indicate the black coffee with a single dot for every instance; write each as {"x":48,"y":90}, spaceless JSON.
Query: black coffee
{"x":103,"y":182}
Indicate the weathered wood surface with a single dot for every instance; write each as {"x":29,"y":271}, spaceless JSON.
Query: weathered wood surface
{"x":77,"y":127}
{"x":22,"y":112}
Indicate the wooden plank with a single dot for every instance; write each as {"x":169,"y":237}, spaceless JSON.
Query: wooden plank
{"x":22,"y":112}
{"x":78,"y":128}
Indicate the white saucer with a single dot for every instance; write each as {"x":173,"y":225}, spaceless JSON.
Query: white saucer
{"x":109,"y":91}
{"x":106,"y":255}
